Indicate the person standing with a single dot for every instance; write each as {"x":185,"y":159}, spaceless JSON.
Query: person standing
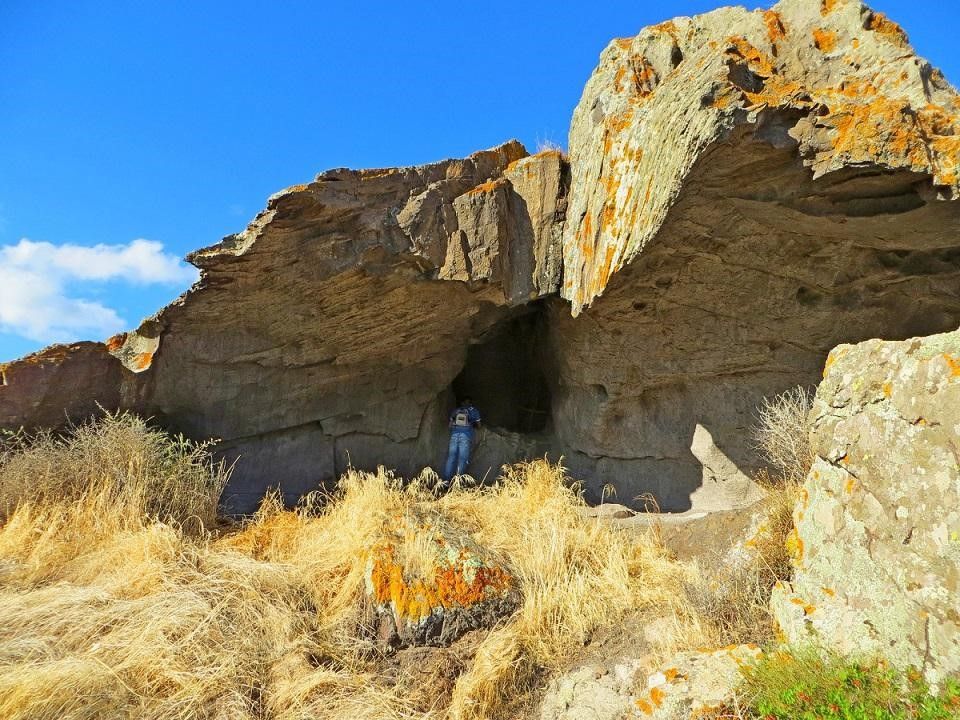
{"x":464,"y":421}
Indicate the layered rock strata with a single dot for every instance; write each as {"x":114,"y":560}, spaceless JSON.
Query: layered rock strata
{"x":745,"y":190}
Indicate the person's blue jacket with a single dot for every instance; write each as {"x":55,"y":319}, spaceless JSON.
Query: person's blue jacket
{"x":464,"y":420}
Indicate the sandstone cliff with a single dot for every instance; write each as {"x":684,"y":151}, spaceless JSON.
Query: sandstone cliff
{"x":744,"y":191}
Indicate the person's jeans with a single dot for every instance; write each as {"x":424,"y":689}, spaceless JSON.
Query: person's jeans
{"x":458,"y":455}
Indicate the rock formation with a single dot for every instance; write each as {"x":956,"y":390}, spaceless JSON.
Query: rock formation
{"x":744,"y":191}
{"x":878,"y":527}
{"x":429,"y":584}
{"x":690,"y":685}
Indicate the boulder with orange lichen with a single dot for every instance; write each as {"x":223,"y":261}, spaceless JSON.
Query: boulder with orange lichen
{"x":690,"y":685}
{"x":748,"y":190}
{"x":840,"y":77}
{"x":428,"y":583}
{"x":877,"y":539}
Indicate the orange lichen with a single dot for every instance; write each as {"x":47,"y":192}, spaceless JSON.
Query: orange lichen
{"x":775,"y":27}
{"x":486,"y":187}
{"x":828,"y":591}
{"x":824,"y":40}
{"x":954,"y":365}
{"x":141,"y":361}
{"x":450,"y":587}
{"x":624,"y":43}
{"x":643,"y":706}
{"x":855,"y":43}
{"x":887,"y":389}
{"x":296,"y":188}
{"x":794,"y":545}
{"x":881,"y":127}
{"x":832,"y":358}
{"x":374,"y":174}
{"x":849,"y":485}
{"x":827,"y":6}
{"x":668,"y":26}
{"x":645,"y":76}
{"x":657,"y":696}
{"x":888,"y":29}
{"x":115,"y":342}
{"x":757,"y":61}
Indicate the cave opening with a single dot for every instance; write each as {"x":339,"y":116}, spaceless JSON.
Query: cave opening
{"x":504,"y":374}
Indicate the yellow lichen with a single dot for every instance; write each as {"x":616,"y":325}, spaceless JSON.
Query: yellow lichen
{"x":824,"y":40}
{"x":775,"y":27}
{"x":141,"y":361}
{"x":888,"y":29}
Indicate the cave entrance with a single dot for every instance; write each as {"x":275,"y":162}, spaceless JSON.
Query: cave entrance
{"x":504,"y":374}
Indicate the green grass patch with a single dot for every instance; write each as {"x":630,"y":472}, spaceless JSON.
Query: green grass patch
{"x":805,"y":685}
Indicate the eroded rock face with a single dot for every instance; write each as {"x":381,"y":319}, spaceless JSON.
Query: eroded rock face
{"x":745,"y":191}
{"x":878,"y":527}
{"x":749,"y":189}
{"x":429,"y":584}
{"x":45,"y":389}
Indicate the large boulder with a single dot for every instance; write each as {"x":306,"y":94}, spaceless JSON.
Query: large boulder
{"x":428,"y":584}
{"x":877,"y":545}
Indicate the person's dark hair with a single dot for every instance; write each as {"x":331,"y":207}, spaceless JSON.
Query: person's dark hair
{"x":465,"y":400}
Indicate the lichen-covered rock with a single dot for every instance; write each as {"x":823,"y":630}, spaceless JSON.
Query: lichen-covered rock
{"x":877,"y":542}
{"x":748,"y":190}
{"x":594,"y":693}
{"x":693,"y":684}
{"x":429,"y":584}
{"x":843,"y":80}
{"x":689,"y":686}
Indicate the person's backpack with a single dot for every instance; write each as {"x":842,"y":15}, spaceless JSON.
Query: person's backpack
{"x":461,"y":418}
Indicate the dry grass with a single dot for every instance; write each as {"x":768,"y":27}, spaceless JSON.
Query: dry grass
{"x":734,"y":598}
{"x":781,"y":435}
{"x":116,"y":602}
{"x":121,"y":460}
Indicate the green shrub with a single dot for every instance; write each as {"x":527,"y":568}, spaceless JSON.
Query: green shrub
{"x":805,"y":685}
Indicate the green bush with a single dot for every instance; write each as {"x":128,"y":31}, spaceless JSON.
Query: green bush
{"x":805,"y":685}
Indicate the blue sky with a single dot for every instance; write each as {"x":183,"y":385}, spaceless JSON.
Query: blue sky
{"x":156,"y":128}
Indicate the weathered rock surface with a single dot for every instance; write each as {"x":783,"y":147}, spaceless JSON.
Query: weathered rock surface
{"x":57,"y":383}
{"x":594,"y":693}
{"x":690,"y":685}
{"x":429,"y":584}
{"x":878,"y":527}
{"x":745,"y":191}
{"x":748,"y":190}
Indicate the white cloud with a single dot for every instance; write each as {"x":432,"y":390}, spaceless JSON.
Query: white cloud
{"x":42,"y":285}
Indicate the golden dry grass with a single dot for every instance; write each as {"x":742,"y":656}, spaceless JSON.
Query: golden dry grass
{"x":117,"y":601}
